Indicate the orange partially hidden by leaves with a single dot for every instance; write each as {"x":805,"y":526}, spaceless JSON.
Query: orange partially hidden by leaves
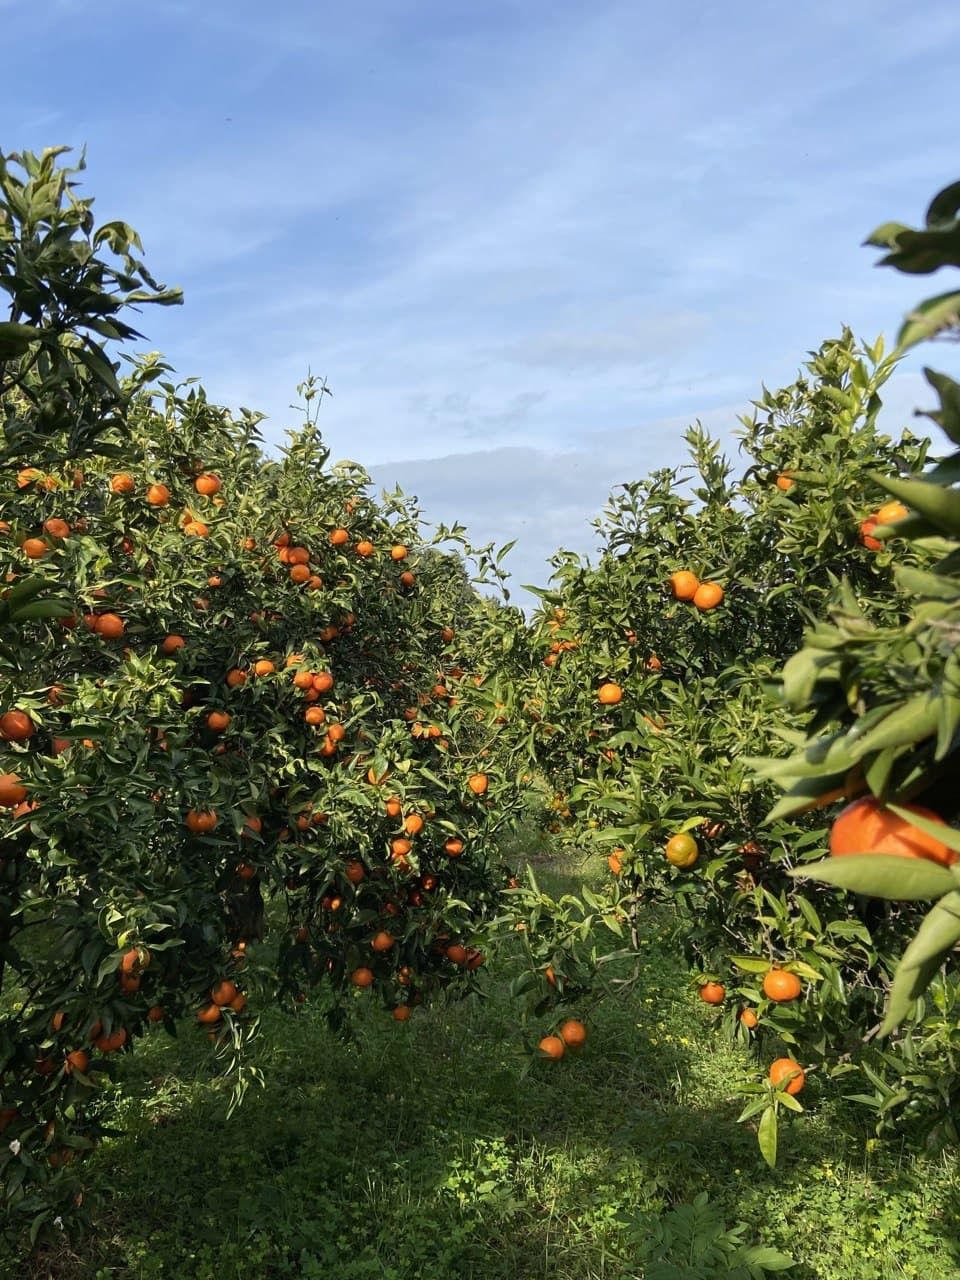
{"x":708,"y":595}
{"x":207,"y":484}
{"x":78,"y":1060}
{"x":453,"y":846}
{"x":890,"y":513}
{"x":682,"y":850}
{"x":609,"y":694}
{"x":12,"y":791}
{"x":552,"y":1047}
{"x":223,"y":992}
{"x":712,"y":993}
{"x":401,"y":1013}
{"x":573,"y":1034}
{"x":478,"y":783}
{"x":749,"y":1018}
{"x":866,"y":535}
{"x":779,"y":985}
{"x":782,"y":1069}
{"x":209,"y":1014}
{"x":170,"y":644}
{"x":615,"y":861}
{"x":362,"y":977}
{"x":785,"y":482}
{"x":355,"y":871}
{"x":866,"y":826}
{"x":684,"y":584}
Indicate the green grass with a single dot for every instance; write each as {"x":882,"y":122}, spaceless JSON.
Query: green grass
{"x":442,"y":1147}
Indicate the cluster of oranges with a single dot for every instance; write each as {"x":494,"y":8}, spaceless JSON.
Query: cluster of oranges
{"x":889,"y":513}
{"x":572,"y":1034}
{"x":687,"y":586}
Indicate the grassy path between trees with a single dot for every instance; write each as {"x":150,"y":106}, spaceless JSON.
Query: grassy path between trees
{"x":440,"y":1147}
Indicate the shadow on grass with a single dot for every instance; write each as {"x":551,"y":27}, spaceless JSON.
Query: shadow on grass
{"x":444,"y":1145}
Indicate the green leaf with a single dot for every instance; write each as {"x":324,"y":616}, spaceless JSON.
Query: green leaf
{"x":931,"y":317}
{"x":767,"y":1136}
{"x":938,"y":934}
{"x":882,"y":875}
{"x":15,"y":339}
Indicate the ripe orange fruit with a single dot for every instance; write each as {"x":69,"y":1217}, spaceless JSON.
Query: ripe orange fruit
{"x":207,"y":484}
{"x":749,"y":1018}
{"x":382,"y":941}
{"x":239,"y":1002}
{"x":323,"y":681}
{"x":314,"y":715}
{"x":223,"y":992}
{"x":122,"y":483}
{"x":158,"y":495}
{"x":712,"y":993}
{"x":355,"y":871}
{"x":684,"y":584}
{"x":407,"y":579}
{"x":708,"y":595}
{"x":552,"y":1047}
{"x":339,"y":537}
{"x":779,"y":985}
{"x":200,"y":821}
{"x":235,"y":678}
{"x":401,"y":1013}
{"x":573,"y":1034}
{"x":56,"y":527}
{"x":156,"y":1013}
{"x":263,"y":667}
{"x":364,"y":548}
{"x":302,"y":679}
{"x":653,"y":663}
{"x":478,"y":783}
{"x":400,"y":846}
{"x":217,"y":721}
{"x":412,"y":824}
{"x":398,"y":552}
{"x":110,"y":626}
{"x":12,"y":791}
{"x":16,"y":726}
{"x":170,"y":644}
{"x":682,"y":850}
{"x":78,"y":1060}
{"x":392,"y":807}
{"x":782,"y":1069}
{"x":453,"y":846}
{"x":615,"y":861}
{"x":785,"y":481}
{"x":456,"y":953}
{"x":890,"y":513}
{"x":362,"y":977}
{"x":866,"y":826}
{"x":866,"y":530}
{"x":609,"y":694}
{"x":57,"y":1021}
{"x":34,"y":548}
{"x":209,"y":1014}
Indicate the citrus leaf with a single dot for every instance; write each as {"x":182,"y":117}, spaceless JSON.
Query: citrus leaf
{"x":882,"y":875}
{"x":938,"y":934}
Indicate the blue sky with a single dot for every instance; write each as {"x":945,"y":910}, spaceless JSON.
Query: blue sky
{"x":525,"y":242}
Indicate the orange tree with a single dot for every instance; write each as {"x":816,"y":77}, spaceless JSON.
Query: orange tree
{"x":883,"y":704}
{"x":240,"y":752}
{"x":651,"y":695}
